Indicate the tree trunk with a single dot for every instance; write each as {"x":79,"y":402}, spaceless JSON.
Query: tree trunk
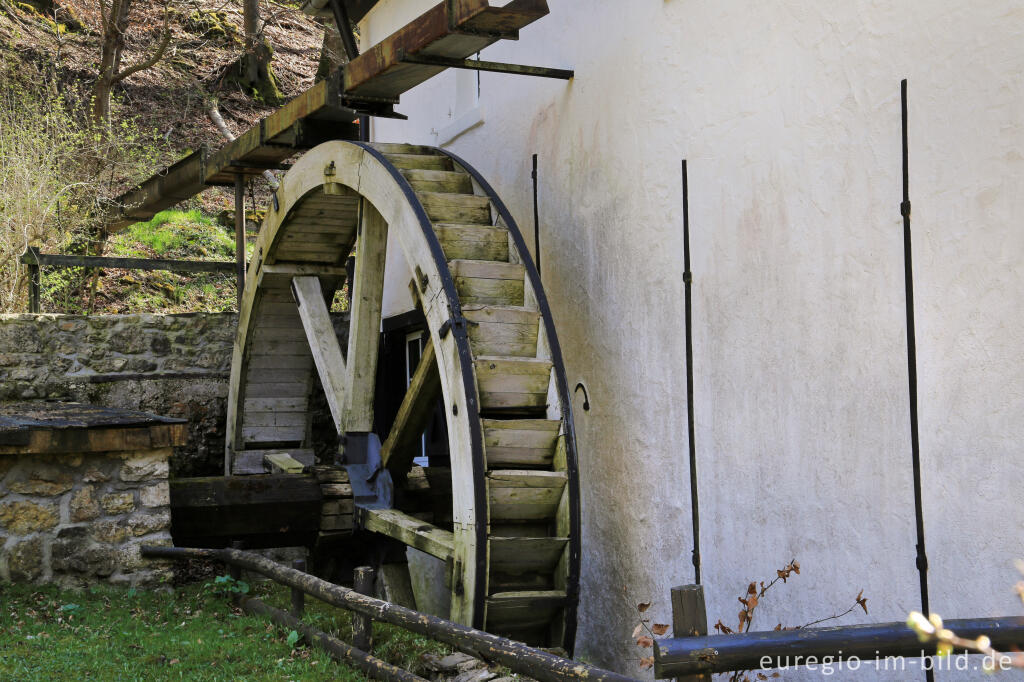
{"x":113,"y":26}
{"x":250,"y":30}
{"x":332,"y":54}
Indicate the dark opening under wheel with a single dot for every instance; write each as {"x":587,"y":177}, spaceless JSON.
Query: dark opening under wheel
{"x":511,"y":541}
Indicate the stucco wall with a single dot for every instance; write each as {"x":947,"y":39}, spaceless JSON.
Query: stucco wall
{"x":789,"y":116}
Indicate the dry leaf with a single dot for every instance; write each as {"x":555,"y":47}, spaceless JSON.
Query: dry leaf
{"x":752,"y":602}
{"x":645,"y":641}
{"x":862,"y":601}
{"x":752,"y":588}
{"x":762,"y":676}
{"x":643,"y":606}
{"x":659,"y":628}
{"x":646,"y":663}
{"x":638,"y":630}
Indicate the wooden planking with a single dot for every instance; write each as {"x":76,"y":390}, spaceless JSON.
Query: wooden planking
{"x":522,"y":610}
{"x":518,"y":443}
{"x":409,"y":530}
{"x":323,"y":343}
{"x":252,"y":461}
{"x":439,"y":181}
{"x":513,"y":555}
{"x":421,"y":161}
{"x":276,"y":418}
{"x":503,"y":330}
{"x":473,"y":242}
{"x":456,"y":208}
{"x":283,"y":463}
{"x":509,"y":383}
{"x":524,"y":495}
{"x":260,"y":389}
{"x":273,"y":434}
{"x":280,"y":361}
{"x":403,"y":148}
{"x":414,"y":414}
{"x":488,"y":283}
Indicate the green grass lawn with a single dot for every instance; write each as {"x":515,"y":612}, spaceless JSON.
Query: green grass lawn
{"x":192,"y":633}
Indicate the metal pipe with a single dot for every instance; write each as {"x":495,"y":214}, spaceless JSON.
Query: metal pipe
{"x":915,"y":442}
{"x":536,"y":217}
{"x":495,"y":67}
{"x":787,"y":648}
{"x":339,"y":650}
{"x":517,"y":656}
{"x":690,"y":429}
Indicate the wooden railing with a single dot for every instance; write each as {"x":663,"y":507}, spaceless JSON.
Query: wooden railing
{"x":518,"y":657}
{"x":35,"y":261}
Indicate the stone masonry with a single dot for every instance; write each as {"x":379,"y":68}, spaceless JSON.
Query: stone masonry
{"x":78,"y":501}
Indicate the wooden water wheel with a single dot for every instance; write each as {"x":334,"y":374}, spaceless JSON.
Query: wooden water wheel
{"x":511,"y":541}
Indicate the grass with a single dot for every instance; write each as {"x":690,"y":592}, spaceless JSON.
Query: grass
{"x":192,"y":633}
{"x":172,"y":234}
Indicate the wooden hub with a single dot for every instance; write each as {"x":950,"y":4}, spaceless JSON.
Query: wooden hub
{"x":502,"y":513}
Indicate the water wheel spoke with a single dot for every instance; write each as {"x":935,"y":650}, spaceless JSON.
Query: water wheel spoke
{"x":364,"y":327}
{"x":323,"y":342}
{"x":414,"y":414}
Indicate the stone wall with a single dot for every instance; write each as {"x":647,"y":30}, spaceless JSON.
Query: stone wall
{"x":79,"y":518}
{"x":173,"y":365}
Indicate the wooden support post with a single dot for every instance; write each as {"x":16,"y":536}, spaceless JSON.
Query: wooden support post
{"x":689,"y":618}
{"x":33,"y":288}
{"x":235,"y":571}
{"x":240,"y":235}
{"x":362,"y":625}
{"x":298,"y":596}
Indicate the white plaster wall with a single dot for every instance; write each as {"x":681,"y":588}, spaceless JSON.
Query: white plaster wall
{"x":788,"y":113}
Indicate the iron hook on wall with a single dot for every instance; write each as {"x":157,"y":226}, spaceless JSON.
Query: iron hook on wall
{"x":586,"y":398}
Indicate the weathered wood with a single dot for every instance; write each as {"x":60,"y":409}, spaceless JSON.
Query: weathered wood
{"x":488,"y":283}
{"x":73,"y":261}
{"x":525,"y":555}
{"x":525,"y":443}
{"x":323,"y":342}
{"x":264,"y":510}
{"x":336,"y":489}
{"x":503,"y":330}
{"x":420,"y":162}
{"x":415,"y":412}
{"x":253,"y":461}
{"x":508,"y":383}
{"x":396,"y":585}
{"x":520,"y":658}
{"x":523,"y":610}
{"x":362,"y":625}
{"x":438,"y":181}
{"x":524,"y":495}
{"x":338,"y":650}
{"x":473,"y":242}
{"x":298,"y":606}
{"x":467,"y":209}
{"x":283,"y":463}
{"x":364,"y":327}
{"x":409,"y":530}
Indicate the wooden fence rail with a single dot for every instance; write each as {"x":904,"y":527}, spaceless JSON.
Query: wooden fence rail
{"x":35,"y":260}
{"x":516,"y":656}
{"x":690,"y":657}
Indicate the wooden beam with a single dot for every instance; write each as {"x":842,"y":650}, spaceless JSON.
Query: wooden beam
{"x":283,"y":463}
{"x":323,"y":342}
{"x":413,"y":415}
{"x":409,"y":530}
{"x":364,"y":327}
{"x":72,"y":261}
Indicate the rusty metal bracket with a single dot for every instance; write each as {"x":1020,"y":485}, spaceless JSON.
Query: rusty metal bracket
{"x":496,"y":67}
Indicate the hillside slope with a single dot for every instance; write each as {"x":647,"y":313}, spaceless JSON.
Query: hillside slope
{"x":59,"y":41}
